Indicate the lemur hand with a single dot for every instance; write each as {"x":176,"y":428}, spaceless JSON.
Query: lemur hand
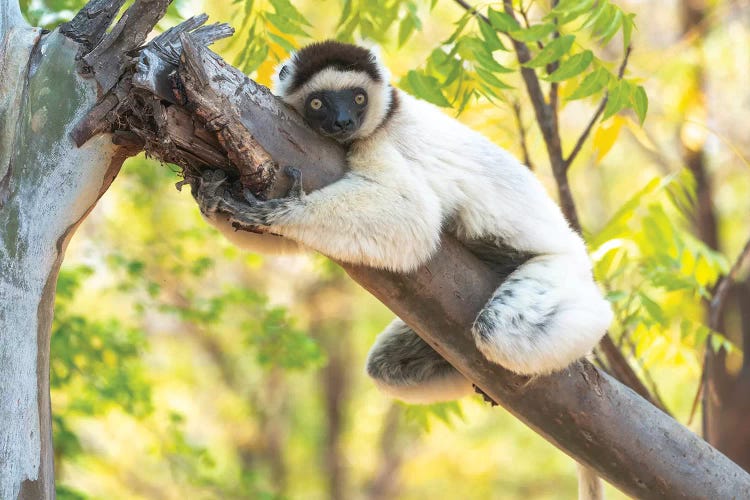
{"x":213,"y":195}
{"x":209,"y":191}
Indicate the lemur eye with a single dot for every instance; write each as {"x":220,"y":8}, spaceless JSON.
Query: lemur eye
{"x":360,"y":99}
{"x":316,"y":104}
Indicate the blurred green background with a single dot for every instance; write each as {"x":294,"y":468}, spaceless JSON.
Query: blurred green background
{"x":185,"y":368}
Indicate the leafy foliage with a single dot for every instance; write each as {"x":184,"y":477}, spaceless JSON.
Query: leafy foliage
{"x":375,"y":19}
{"x":657,"y":274}
{"x":471,"y":63}
{"x":272,"y":28}
{"x":422,"y":416}
{"x":268,"y":330}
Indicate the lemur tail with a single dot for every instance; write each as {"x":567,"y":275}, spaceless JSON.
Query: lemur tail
{"x":590,"y":487}
{"x":548,"y":313}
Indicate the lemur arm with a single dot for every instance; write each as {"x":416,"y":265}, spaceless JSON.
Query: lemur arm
{"x":357,"y":219}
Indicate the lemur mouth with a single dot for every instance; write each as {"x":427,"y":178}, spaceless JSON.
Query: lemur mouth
{"x":343,"y":136}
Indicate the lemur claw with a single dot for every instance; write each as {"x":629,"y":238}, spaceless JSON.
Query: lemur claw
{"x":295,"y":191}
{"x":249,"y":196}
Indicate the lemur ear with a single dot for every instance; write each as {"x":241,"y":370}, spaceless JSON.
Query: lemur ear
{"x":377,"y":56}
{"x":282,"y":77}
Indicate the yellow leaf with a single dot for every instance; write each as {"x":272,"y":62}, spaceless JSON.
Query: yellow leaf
{"x":606,"y":135}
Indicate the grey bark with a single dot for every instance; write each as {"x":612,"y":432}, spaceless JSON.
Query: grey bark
{"x":47,"y":186}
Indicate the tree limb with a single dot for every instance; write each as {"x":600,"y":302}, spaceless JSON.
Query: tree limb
{"x":724,"y":285}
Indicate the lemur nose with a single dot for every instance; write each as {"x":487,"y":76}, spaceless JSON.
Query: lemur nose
{"x":344,"y":125}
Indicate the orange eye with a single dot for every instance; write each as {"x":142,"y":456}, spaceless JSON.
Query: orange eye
{"x":359,"y":99}
{"x":316,"y":104}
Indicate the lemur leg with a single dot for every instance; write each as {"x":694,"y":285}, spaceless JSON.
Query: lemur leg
{"x":547,"y":314}
{"x":405,"y":367}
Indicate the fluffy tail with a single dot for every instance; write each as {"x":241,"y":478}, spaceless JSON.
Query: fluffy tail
{"x":548,"y":313}
{"x":590,"y":487}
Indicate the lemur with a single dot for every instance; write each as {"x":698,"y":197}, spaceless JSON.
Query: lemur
{"x":414,"y":172}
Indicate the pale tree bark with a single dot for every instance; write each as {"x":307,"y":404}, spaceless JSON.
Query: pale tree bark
{"x":207,"y":114}
{"x":47,"y":186}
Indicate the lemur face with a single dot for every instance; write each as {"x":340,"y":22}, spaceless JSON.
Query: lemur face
{"x":340,"y":90}
{"x":336,"y":113}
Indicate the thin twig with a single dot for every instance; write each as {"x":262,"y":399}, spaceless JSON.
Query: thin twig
{"x":472,"y":10}
{"x":516,"y":106}
{"x":722,"y":288}
{"x":597,"y":114}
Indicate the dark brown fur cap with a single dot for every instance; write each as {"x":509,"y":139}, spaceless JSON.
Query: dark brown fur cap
{"x":317,"y":56}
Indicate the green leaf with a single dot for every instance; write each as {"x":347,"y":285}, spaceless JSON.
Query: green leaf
{"x":490,"y":37}
{"x":552,"y":51}
{"x":345,"y":13}
{"x":652,"y":308}
{"x":595,"y":14}
{"x":283,"y":42}
{"x":602,"y":21}
{"x":286,"y":9}
{"x":639,"y":100}
{"x":492,"y":79}
{"x":427,"y":88}
{"x":593,"y":83}
{"x":627,"y":30}
{"x":285,"y":24}
{"x":502,"y":21}
{"x":575,"y":65}
{"x":614,"y":24}
{"x":533,"y":33}
{"x":569,"y":10}
{"x":405,"y":29}
{"x":460,"y":26}
{"x":619,"y":97}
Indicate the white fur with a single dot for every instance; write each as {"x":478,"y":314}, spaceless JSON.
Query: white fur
{"x":436,"y":390}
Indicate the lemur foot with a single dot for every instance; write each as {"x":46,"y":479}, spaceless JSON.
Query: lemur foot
{"x":252,"y":211}
{"x":408,"y":368}
{"x":210,"y":190}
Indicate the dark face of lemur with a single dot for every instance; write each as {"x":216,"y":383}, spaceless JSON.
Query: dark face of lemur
{"x":336,"y":113}
{"x":340,"y":90}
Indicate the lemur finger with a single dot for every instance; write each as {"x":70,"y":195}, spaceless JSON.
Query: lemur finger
{"x":214,"y":176}
{"x":295,"y":191}
{"x":249,"y":196}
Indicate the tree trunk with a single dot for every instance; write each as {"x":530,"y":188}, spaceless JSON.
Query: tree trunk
{"x":47,"y":186}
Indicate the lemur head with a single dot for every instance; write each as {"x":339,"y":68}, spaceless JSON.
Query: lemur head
{"x":341,"y":90}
